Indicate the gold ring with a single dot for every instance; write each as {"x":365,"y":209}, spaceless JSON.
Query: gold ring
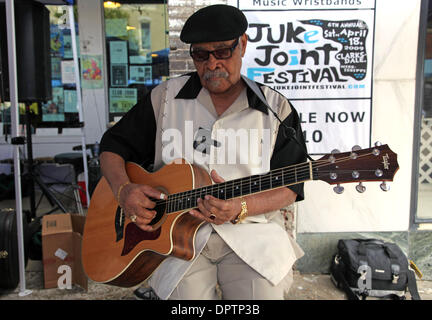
{"x":133,"y":218}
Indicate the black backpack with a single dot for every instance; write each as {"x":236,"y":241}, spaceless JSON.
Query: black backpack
{"x":372,"y":268}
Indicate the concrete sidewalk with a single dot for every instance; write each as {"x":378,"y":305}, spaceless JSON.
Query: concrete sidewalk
{"x":305,"y":287}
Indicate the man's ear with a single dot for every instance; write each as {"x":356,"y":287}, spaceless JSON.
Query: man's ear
{"x":243,"y":41}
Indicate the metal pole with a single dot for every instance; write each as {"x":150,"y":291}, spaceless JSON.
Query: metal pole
{"x":10,"y":22}
{"x":79,"y":100}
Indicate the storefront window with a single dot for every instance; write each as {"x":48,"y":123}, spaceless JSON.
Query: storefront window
{"x":137,"y":51}
{"x":424,"y":201}
{"x":61,"y":110}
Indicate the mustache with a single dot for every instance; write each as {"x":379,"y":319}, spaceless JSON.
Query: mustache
{"x":215,"y":74}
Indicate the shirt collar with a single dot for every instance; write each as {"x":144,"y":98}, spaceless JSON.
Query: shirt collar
{"x":193,"y":86}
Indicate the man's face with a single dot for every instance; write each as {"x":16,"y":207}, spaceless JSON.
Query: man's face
{"x":219,"y":75}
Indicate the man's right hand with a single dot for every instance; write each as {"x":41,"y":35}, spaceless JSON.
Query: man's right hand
{"x":135,"y":201}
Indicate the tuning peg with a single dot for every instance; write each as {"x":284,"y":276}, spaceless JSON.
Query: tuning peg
{"x":332,"y":158}
{"x":360,"y":188}
{"x":377,"y":144}
{"x":379,"y":173}
{"x":375,"y":152}
{"x":353,"y":154}
{"x":339,"y":189}
{"x":384,"y":186}
{"x":355,"y":174}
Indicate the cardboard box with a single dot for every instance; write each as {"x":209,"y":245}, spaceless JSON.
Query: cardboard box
{"x":61,"y":250}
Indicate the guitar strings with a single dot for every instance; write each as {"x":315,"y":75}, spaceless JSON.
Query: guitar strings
{"x":301,"y":173}
{"x":183,"y":202}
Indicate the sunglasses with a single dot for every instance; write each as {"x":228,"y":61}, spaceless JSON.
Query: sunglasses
{"x":203,"y":55}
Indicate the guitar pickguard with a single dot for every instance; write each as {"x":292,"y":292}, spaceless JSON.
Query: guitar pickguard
{"x":134,"y":235}
{"x":120,"y":219}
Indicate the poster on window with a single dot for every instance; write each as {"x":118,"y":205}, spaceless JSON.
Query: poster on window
{"x":319,"y":54}
{"x":56,"y":68}
{"x":68,"y":72}
{"x":122,"y":99}
{"x":119,"y":75}
{"x":91,"y":73}
{"x":67,"y":44}
{"x":70,"y":101}
{"x":116,"y":27}
{"x":56,"y":41}
{"x":141,"y":74}
{"x":118,"y":52}
{"x":53,"y":110}
{"x":145,"y":57}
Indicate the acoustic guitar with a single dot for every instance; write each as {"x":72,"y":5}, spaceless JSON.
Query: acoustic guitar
{"x":117,"y":252}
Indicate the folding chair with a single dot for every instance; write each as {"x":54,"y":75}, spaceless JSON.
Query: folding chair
{"x":61,"y":181}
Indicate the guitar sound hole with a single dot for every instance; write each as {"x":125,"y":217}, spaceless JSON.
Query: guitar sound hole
{"x":160,"y":211}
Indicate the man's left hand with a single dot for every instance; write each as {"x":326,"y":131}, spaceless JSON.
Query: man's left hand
{"x":215,"y":210}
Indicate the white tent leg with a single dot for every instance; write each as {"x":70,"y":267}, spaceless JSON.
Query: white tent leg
{"x":10,"y":22}
{"x":79,"y":98}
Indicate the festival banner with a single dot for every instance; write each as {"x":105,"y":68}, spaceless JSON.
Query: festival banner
{"x":319,"y":54}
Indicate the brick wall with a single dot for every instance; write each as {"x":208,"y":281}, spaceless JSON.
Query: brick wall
{"x":178,"y":12}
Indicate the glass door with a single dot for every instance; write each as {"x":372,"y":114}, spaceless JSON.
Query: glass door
{"x":424,"y":133}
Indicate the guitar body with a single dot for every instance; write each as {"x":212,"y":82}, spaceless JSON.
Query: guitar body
{"x":115,"y":251}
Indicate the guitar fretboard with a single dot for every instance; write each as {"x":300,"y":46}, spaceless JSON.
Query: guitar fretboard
{"x":241,"y":187}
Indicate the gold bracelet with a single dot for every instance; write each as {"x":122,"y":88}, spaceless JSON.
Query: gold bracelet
{"x":120,"y":189}
{"x":243,"y":213}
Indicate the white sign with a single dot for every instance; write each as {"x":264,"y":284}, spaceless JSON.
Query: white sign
{"x":319,"y":54}
{"x":303,"y":4}
{"x":68,"y":72}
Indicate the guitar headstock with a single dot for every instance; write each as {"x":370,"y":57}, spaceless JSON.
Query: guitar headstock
{"x":378,"y":163}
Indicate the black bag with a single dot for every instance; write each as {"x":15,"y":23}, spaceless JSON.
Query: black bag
{"x":9,"y":266}
{"x":372,"y":268}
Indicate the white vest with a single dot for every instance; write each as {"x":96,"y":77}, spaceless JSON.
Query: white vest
{"x":238,"y":143}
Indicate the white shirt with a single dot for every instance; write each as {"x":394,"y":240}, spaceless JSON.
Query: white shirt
{"x":238,"y":143}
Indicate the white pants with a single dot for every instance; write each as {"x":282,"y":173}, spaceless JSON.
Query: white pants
{"x":218,"y":267}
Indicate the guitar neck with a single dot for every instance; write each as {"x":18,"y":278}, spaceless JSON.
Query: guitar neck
{"x":243,"y":186}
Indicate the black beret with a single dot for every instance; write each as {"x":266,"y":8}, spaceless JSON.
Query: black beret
{"x":218,"y":22}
